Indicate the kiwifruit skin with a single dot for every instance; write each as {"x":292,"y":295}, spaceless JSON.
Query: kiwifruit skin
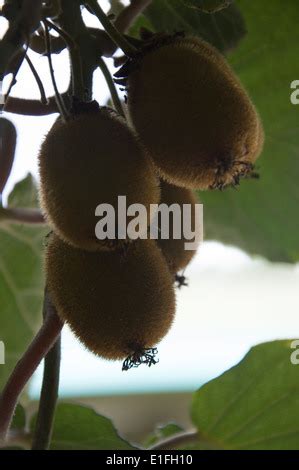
{"x":90,"y":160}
{"x":192,"y":113}
{"x":174,"y":250}
{"x":115,"y":304}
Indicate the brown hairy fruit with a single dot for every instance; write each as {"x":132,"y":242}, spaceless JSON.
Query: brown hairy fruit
{"x":192,"y":114}
{"x":174,"y":251}
{"x":90,"y":160}
{"x":117,"y":304}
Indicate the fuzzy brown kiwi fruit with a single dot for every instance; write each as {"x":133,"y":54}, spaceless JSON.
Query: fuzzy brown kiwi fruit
{"x":118,"y":304}
{"x":192,"y":113}
{"x":174,"y":251}
{"x":89,"y":160}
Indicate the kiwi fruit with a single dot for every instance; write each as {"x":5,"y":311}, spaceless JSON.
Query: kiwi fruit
{"x":92,"y":159}
{"x":174,"y":251}
{"x":119,"y":304}
{"x":192,"y":113}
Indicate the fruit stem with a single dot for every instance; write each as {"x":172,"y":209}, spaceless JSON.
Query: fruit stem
{"x":112,"y":88}
{"x":41,"y":344}
{"x":49,"y":391}
{"x":127,"y":48}
{"x":43,"y":98}
{"x":59,"y":100}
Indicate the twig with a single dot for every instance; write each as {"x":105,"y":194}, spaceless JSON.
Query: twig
{"x":26,"y":366}
{"x":59,"y":99}
{"x":21,"y":216}
{"x":78,"y":88}
{"x":64,"y":35}
{"x":128,"y":15}
{"x":178,"y":440}
{"x":8,"y":139}
{"x":111,"y":30}
{"x":40,"y":85}
{"x":49,"y":392}
{"x":112,"y":88}
{"x":38,"y":44}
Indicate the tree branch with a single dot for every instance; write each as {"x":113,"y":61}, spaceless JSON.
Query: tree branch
{"x":25,"y":368}
{"x":49,"y":392}
{"x":21,"y":216}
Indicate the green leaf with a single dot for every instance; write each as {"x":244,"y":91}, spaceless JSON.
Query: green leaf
{"x":254,"y":405}
{"x":208,"y":6}
{"x":21,"y":279}
{"x":162,"y":432}
{"x":80,"y":428}
{"x":262,"y":216}
{"x":223,"y":29}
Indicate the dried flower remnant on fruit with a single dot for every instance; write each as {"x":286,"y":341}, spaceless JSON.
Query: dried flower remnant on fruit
{"x":146,"y":356}
{"x":180,"y":281}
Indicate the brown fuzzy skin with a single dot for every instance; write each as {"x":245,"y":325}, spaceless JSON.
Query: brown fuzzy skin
{"x":116,"y":304}
{"x":193,"y":115}
{"x":174,"y":250}
{"x":88,"y":161}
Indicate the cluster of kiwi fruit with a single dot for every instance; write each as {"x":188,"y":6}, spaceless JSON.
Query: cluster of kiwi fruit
{"x":190,"y":125}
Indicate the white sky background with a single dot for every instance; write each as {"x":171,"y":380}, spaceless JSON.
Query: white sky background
{"x":232,"y":302}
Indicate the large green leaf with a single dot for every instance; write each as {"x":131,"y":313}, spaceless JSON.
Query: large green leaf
{"x":262,"y":216}
{"x":254,"y":405}
{"x":223,"y":29}
{"x":21,"y":279}
{"x":80,"y":428}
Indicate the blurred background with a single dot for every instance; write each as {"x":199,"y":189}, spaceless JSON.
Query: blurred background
{"x":232,"y":302}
